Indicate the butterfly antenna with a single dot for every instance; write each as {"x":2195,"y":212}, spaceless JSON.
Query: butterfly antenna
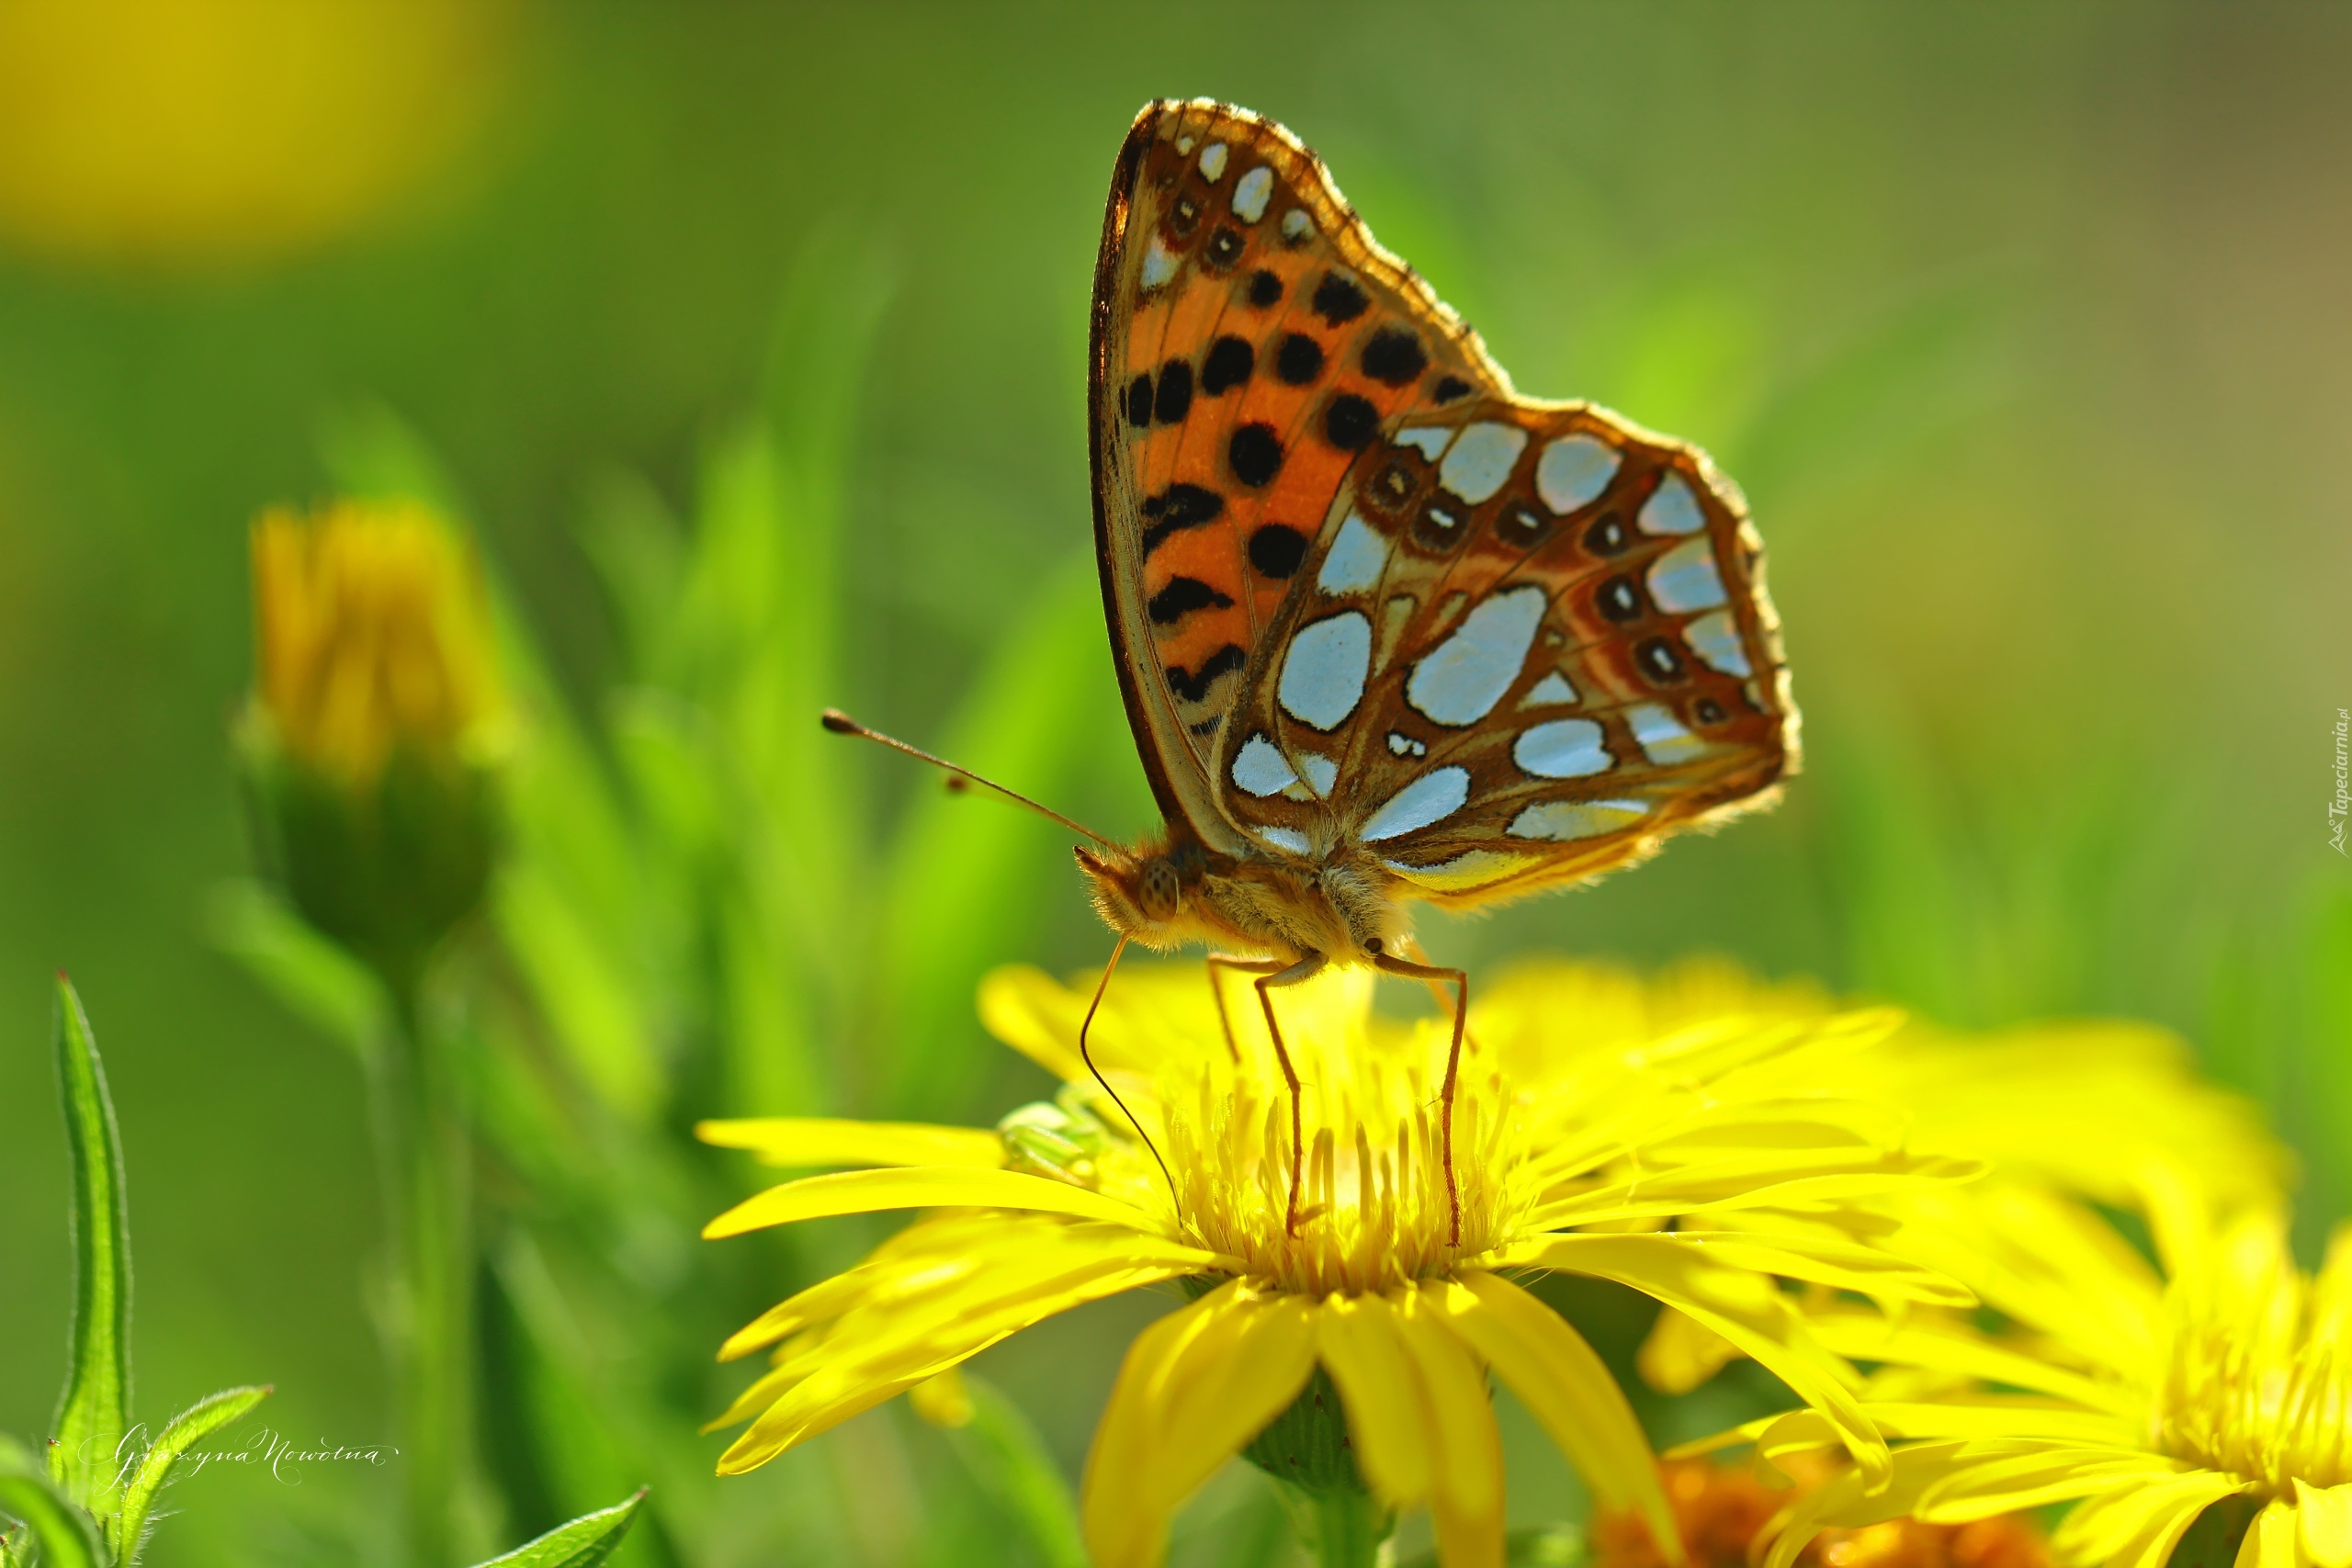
{"x":840,"y":723}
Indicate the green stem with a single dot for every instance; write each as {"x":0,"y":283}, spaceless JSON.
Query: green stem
{"x":1340,"y":1527}
{"x":428,"y":1328}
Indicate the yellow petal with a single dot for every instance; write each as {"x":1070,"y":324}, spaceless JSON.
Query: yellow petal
{"x":1388,"y":1419}
{"x":1681,"y":1353}
{"x":942,"y":1400}
{"x":1845,"y":1502}
{"x":1567,"y":1388}
{"x":1121,"y":1526}
{"x":2270,"y":1540}
{"x":2138,"y":1524}
{"x":1844,"y":1264}
{"x":1758,"y":1183}
{"x":920,"y":1186}
{"x":860,"y":1363}
{"x":2326,"y":1514}
{"x":1957,"y":1349}
{"x":820,"y":1141}
{"x":1758,"y":1321}
{"x":2041,"y":1474}
{"x":1465,"y":1451}
{"x":1195,"y":1386}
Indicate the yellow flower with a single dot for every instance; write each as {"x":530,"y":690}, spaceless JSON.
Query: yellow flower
{"x":1566,"y":1160}
{"x":2146,"y":1398}
{"x":369,"y":744}
{"x":2101,"y":1107}
{"x":372,"y":635}
{"x":177,"y":131}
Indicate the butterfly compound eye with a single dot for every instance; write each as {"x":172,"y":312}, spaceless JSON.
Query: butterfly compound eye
{"x":1159,"y":890}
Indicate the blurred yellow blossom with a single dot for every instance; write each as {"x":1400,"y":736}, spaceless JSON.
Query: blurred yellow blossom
{"x":2143,"y":1395}
{"x":165,"y":131}
{"x":2109,"y":1108}
{"x":372,"y":633}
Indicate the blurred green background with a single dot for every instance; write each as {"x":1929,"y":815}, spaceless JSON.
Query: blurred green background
{"x":2024,"y":329}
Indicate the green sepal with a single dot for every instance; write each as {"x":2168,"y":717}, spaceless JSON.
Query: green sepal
{"x":94,"y":1411}
{"x":583,"y":1544}
{"x":65,"y":1533}
{"x":388,"y":868}
{"x":1005,"y":1454}
{"x":1307,"y":1446}
{"x":184,"y":1430}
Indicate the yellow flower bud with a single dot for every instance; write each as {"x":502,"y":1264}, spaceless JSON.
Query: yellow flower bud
{"x":371,"y":740}
{"x":373,"y":635}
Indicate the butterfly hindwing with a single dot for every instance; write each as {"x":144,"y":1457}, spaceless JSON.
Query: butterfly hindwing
{"x":1251,"y":341}
{"x":1535,"y":641}
{"x":1362,"y":592}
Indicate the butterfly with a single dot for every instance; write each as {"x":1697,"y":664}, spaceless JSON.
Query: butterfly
{"x":1388,"y":632}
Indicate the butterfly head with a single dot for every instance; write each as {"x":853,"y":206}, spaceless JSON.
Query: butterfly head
{"x":1166,"y":895}
{"x":1149,"y":892}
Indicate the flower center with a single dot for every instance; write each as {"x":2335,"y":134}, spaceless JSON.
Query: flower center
{"x":1373,"y":1210}
{"x":2259,"y":1394}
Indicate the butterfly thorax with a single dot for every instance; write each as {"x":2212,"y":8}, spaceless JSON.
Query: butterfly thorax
{"x":1174,"y":892}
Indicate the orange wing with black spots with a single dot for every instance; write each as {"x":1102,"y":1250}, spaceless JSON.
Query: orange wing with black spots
{"x":1367,"y":598}
{"x":1249,"y":340}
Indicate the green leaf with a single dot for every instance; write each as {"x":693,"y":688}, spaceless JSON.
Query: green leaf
{"x":184,"y":1430}
{"x":67,"y":1536}
{"x":95,"y":1409}
{"x":583,"y":1544}
{"x":1006,"y":1456}
{"x":310,"y":975}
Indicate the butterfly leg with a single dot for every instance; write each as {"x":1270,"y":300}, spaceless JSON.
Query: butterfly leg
{"x":1219,"y":963}
{"x":1460,"y":980}
{"x":1271,"y":974}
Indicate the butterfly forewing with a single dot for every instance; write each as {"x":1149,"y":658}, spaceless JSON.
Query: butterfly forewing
{"x":1365,"y":593}
{"x":1250,"y":342}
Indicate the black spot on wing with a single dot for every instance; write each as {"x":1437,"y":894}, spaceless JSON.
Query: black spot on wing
{"x":1192,"y":685}
{"x":1607,"y":535}
{"x":1139,"y":400}
{"x":1175,"y":399}
{"x":1618,"y":600}
{"x":1181,"y":597}
{"x":1256,"y":453}
{"x":1277,"y":549}
{"x":1449,"y":389}
{"x":1393,"y":357}
{"x":1520,"y":527}
{"x":1340,"y":300}
{"x":1265,"y":289}
{"x":1660,"y":661}
{"x":1225,"y":248}
{"x":1351,"y":422}
{"x":1229,"y":362}
{"x":1299,"y":360}
{"x":1178,"y":507}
